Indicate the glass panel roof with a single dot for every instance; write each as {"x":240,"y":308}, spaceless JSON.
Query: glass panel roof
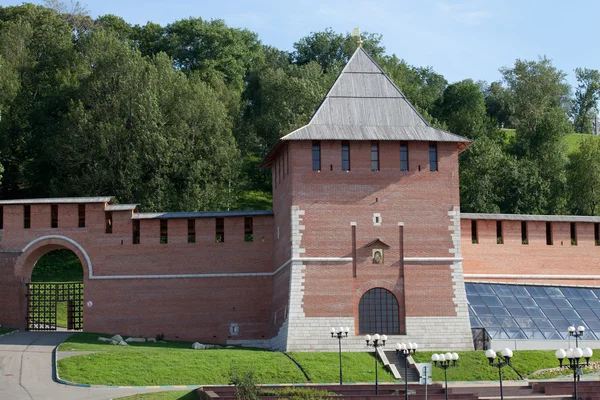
{"x":533,"y":312}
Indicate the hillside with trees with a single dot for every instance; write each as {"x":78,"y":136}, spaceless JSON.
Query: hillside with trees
{"x":178,"y":117}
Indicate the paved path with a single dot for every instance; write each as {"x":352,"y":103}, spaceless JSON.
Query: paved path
{"x":26,"y":370}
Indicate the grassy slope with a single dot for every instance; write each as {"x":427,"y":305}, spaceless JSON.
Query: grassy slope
{"x":170,"y":395}
{"x":572,"y":140}
{"x":357,"y":367}
{"x":175,"y":363}
{"x":5,"y":330}
{"x":473,"y":366}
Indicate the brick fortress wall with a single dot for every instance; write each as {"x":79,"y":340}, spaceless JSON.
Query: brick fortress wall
{"x":190,"y":291}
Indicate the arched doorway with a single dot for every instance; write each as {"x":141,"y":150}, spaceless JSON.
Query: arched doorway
{"x":55,"y":293}
{"x":54,"y":269}
{"x":378,"y":312}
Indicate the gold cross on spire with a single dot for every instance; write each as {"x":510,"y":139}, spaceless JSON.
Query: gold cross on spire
{"x":356,"y":33}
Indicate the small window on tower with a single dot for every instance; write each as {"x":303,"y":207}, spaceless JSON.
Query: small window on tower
{"x":81,"y":212}
{"x":26,"y":216}
{"x":191,"y":231}
{"x":524,"y":236}
{"x":345,"y":155}
{"x":248,"y":234}
{"x":403,"y":156}
{"x":597,"y":234}
{"x":374,"y":156}
{"x":433,"y":158}
{"x":1,"y":217}
{"x":164,"y":231}
{"x":219,"y":230}
{"x":573,"y":234}
{"x":54,"y":216}
{"x":316,"y":156}
{"x":108,"y":221}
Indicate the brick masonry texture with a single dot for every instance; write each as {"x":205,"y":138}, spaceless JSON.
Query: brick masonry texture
{"x":294,"y":281}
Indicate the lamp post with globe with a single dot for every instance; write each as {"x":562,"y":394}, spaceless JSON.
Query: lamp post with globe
{"x":574,"y":355}
{"x":404,"y":351}
{"x":340,"y":333}
{"x":576,"y":333}
{"x":503,"y":360}
{"x":445,"y":361}
{"x":376,"y":342}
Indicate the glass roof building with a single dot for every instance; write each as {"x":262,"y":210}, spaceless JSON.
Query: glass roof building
{"x":533,"y":312}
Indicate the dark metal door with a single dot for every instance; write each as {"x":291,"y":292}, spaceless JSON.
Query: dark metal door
{"x":481,"y":339}
{"x":42,"y":300}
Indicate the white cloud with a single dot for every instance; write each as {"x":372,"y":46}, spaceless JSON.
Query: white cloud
{"x":466,"y":12}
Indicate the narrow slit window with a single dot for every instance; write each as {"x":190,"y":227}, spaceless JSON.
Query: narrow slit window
{"x":403,"y":156}
{"x":433,"y":158}
{"x":164,"y":231}
{"x":135,"y":226}
{"x":474,"y":238}
{"x":524,"y":237}
{"x":596,"y":234}
{"x":549,"y":239}
{"x":27,"y":217}
{"x":345,"y":155}
{"x":54,"y":216}
{"x":374,"y":156}
{"x":573,"y":234}
{"x":108,"y":221}
{"x":219,"y":230}
{"x":2,"y":217}
{"x":499,"y":233}
{"x":248,"y":230}
{"x":316,"y":156}
{"x":191,"y":231}
{"x":81,"y":213}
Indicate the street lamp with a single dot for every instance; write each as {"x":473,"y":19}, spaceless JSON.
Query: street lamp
{"x":445,"y":361}
{"x":503,"y":360}
{"x":340,"y":333}
{"x":378,"y":341}
{"x":574,"y":355}
{"x":577,"y":334}
{"x":404,"y":351}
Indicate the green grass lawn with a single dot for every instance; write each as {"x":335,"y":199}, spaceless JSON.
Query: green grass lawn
{"x":473,"y":366}
{"x":5,"y":330}
{"x":573,"y":141}
{"x":170,"y":395}
{"x":325,"y":367}
{"x":175,"y":363}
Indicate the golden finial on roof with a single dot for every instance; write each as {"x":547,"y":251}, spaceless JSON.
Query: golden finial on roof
{"x":356,"y":33}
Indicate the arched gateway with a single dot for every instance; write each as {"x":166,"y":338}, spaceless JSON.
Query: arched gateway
{"x":51,"y":300}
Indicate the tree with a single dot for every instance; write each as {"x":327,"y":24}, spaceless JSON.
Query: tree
{"x":584,"y":178}
{"x":332,"y":50}
{"x":541,"y":100}
{"x":586,"y":99}
{"x":462,"y":108}
{"x":499,"y":104}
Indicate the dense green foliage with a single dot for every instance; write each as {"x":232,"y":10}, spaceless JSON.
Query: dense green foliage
{"x":178,"y":117}
{"x":58,"y":266}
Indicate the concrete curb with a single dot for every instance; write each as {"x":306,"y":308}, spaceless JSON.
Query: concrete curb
{"x":9,"y":333}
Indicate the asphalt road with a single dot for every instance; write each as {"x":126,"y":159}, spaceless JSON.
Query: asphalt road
{"x":26,"y":371}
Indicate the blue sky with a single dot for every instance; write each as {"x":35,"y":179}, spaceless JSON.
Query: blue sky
{"x":458,"y":38}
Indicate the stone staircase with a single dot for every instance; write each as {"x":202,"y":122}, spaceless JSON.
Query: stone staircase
{"x":399,"y":365}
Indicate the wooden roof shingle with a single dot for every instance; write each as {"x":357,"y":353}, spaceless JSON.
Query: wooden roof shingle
{"x":364,"y":104}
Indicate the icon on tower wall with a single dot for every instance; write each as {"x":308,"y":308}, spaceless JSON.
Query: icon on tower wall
{"x":377,"y":256}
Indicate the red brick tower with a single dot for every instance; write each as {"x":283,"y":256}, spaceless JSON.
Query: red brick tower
{"x":367,"y":222}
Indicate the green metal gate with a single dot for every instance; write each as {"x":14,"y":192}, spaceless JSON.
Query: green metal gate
{"x":42,"y":300}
